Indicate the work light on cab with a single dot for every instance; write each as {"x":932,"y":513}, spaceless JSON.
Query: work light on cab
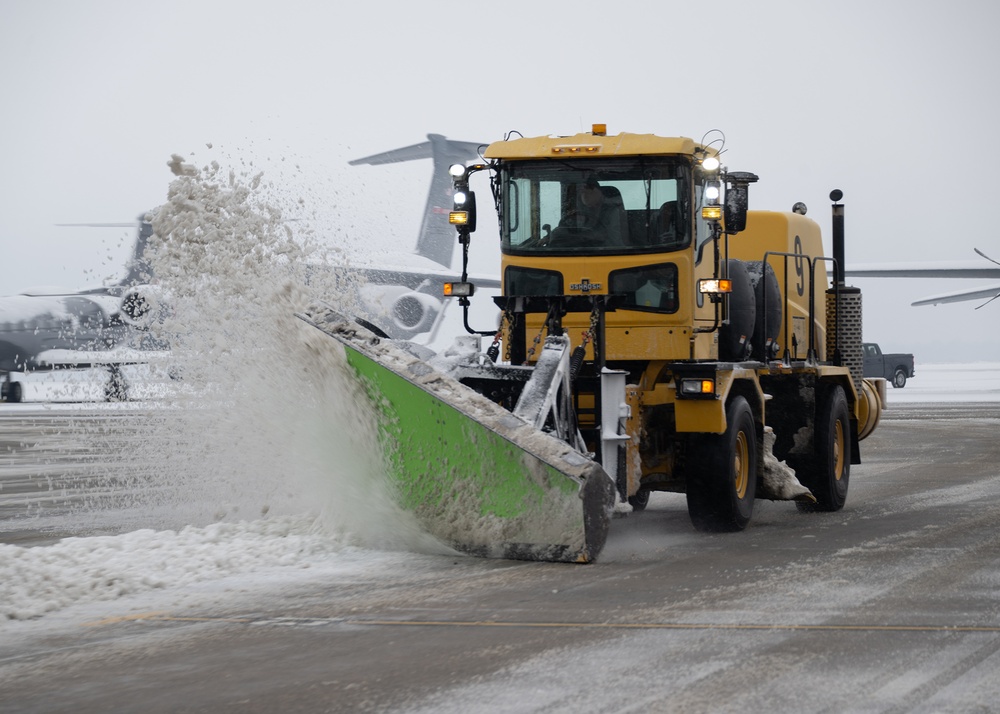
{"x":715,"y":286}
{"x":459,"y":289}
{"x":712,"y":213}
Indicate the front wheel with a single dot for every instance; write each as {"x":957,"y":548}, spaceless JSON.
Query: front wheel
{"x":899,"y":378}
{"x":827,"y":472}
{"x":116,"y":390}
{"x":722,"y":476}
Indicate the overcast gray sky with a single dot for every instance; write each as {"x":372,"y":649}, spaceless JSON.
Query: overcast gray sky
{"x":895,"y":103}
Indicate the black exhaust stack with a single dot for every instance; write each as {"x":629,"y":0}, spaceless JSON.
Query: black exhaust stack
{"x":838,"y":236}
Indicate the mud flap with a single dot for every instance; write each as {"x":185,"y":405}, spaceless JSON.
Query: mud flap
{"x":476,"y":477}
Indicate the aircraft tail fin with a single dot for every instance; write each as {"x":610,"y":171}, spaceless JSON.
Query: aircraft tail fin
{"x":437,"y":237}
{"x":138,"y":270}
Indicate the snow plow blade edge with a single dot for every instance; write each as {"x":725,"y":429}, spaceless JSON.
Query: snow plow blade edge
{"x":476,"y":477}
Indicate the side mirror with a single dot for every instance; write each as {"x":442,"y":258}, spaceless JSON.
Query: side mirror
{"x":470,"y":206}
{"x":737,"y":200}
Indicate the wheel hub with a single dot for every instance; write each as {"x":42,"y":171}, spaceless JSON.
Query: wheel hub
{"x":838,"y":450}
{"x":741,"y":465}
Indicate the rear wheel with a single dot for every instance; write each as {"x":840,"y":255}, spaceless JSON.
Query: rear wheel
{"x":899,"y":378}
{"x":14,"y":392}
{"x":640,"y":500}
{"x":828,"y":472}
{"x":722,"y":473}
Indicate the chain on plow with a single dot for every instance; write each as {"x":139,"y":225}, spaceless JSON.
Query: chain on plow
{"x":507,"y":322}
{"x":588,"y":336}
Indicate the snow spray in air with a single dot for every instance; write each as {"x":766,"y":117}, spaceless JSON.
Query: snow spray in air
{"x":264,"y":417}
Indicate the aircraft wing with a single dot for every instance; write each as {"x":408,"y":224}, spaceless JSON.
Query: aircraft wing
{"x":423,"y":150}
{"x":419,"y":278}
{"x":942,"y":269}
{"x":987,"y":292}
{"x":402,"y":300}
{"x":80,"y":359}
{"x":923,"y":270}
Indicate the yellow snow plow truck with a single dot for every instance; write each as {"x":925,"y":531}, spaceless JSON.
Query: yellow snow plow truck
{"x":654,"y":335}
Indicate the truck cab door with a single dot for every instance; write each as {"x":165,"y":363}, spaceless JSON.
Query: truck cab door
{"x":873,"y":361}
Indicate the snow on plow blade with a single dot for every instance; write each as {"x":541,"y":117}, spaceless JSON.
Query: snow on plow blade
{"x":476,"y":477}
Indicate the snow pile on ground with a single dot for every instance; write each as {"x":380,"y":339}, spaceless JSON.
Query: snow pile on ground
{"x":41,"y":580}
{"x":778,"y":480}
{"x":972,"y":382}
{"x":266,"y":425}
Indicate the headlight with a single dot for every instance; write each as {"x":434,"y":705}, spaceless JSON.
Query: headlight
{"x":697,"y":387}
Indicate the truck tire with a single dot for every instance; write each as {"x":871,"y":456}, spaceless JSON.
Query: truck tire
{"x":767,"y":296}
{"x":640,"y":500}
{"x":14,"y":393}
{"x":735,"y":335}
{"x":899,"y":378}
{"x":827,"y":471}
{"x":722,"y":473}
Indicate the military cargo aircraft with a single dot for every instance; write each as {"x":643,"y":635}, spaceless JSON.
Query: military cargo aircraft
{"x":46,"y":329}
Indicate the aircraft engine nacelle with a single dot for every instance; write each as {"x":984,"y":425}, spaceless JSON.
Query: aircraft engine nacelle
{"x":414,"y":312}
{"x":141,"y":306}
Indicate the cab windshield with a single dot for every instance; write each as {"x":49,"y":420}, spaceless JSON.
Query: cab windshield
{"x":619,"y":206}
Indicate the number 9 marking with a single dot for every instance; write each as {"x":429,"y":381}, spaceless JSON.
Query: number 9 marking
{"x":800,"y":273}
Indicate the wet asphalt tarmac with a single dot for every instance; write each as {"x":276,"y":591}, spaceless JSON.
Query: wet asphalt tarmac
{"x":890,"y":605}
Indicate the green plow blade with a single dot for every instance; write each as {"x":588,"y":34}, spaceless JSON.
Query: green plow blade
{"x":475,"y":476}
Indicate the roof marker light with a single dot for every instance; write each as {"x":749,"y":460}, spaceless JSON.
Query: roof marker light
{"x":575,"y":148}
